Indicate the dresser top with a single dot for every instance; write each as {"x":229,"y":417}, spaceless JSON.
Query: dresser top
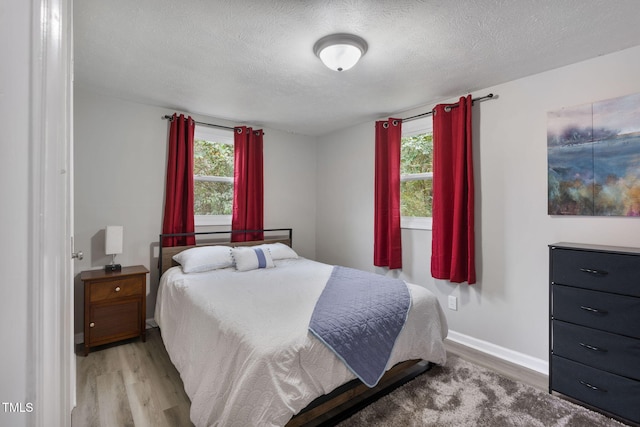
{"x":598,"y":248}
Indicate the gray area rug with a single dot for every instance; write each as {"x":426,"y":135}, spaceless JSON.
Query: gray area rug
{"x":463,"y":394}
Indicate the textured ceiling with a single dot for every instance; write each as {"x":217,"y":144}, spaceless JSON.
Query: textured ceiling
{"x":252,"y":61}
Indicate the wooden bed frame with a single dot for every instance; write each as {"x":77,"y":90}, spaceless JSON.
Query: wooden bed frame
{"x":345,"y":400}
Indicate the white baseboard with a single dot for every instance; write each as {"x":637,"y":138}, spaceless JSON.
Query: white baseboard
{"x":521,"y":359}
{"x":79,"y":337}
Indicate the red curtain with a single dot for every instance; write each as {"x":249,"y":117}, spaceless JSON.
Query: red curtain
{"x":387,"y":244}
{"x":453,"y":242}
{"x":178,"y":204}
{"x":248,"y":188}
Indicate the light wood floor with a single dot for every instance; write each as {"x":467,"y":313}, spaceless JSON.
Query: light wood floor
{"x":135,"y":384}
{"x":130,"y":385}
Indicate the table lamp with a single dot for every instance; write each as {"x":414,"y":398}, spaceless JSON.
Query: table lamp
{"x":113,"y":245}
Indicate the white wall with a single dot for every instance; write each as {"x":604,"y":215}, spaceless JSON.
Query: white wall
{"x":508,"y":307}
{"x":15,"y":33}
{"x":120,"y":162}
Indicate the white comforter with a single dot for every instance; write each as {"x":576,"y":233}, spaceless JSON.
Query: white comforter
{"x":241,"y":344}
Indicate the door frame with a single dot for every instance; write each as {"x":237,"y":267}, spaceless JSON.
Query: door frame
{"x":51,"y":353}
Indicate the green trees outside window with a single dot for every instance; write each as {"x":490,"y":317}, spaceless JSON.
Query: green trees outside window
{"x":213,"y":177}
{"x":416,"y":171}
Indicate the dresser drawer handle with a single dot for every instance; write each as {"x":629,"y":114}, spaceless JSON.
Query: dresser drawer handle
{"x":593,"y":310}
{"x":593,"y":348}
{"x":117,"y":288}
{"x":594,"y":272}
{"x":91,"y":325}
{"x":592,"y":387}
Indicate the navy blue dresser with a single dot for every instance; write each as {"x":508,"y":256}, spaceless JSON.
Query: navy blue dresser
{"x":595,"y":326}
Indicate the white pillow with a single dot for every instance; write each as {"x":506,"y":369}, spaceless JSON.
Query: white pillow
{"x":279,"y":250}
{"x":204,"y":258}
{"x":252,"y":258}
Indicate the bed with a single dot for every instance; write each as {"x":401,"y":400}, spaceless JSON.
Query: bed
{"x":241,"y":342}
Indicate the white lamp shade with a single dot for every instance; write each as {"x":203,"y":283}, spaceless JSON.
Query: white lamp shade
{"x":340,"y":57}
{"x":340,"y":51}
{"x":113,"y":239}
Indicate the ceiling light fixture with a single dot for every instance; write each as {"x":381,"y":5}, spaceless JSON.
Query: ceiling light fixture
{"x":340,"y":51}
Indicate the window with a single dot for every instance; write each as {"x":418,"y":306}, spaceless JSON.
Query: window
{"x":416,"y":173}
{"x":212,"y":175}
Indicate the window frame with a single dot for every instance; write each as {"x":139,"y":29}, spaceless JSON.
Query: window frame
{"x":417,"y":127}
{"x":215,"y":136}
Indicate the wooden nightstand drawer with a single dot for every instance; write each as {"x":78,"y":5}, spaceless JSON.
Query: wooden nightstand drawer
{"x":114,"y":305}
{"x":118,"y":288}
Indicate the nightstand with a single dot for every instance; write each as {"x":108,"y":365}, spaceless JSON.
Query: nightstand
{"x":114,"y":305}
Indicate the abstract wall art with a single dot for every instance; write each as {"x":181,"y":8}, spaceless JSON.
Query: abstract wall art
{"x":593,"y":153}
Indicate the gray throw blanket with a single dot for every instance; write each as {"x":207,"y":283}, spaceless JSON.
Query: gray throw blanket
{"x":359,"y":316}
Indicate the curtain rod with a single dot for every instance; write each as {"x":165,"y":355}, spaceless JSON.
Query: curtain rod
{"x":408,"y":119}
{"x":428,"y":113}
{"x":170,"y":118}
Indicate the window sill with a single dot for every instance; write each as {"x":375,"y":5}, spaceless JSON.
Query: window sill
{"x":416,"y":223}
{"x":207,"y":220}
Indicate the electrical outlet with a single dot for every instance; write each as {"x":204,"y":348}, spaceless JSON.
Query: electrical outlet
{"x":453,"y":302}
